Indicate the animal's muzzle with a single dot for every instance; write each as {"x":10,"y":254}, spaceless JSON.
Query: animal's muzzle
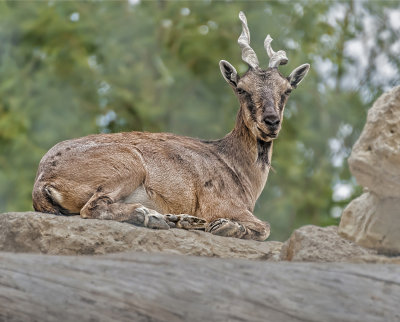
{"x":272,"y":122}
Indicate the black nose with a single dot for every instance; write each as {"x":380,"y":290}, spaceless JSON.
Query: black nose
{"x":271,"y":121}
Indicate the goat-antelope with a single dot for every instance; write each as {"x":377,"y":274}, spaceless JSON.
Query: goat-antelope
{"x":161,"y":180}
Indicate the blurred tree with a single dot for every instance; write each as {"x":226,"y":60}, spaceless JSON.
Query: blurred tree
{"x":70,"y":69}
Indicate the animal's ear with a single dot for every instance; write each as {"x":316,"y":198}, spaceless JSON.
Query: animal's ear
{"x":297,"y":75}
{"x":229,"y":72}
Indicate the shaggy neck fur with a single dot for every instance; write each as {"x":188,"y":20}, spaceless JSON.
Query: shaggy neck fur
{"x":249,"y":156}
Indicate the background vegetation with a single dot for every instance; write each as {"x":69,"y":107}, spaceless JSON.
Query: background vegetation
{"x":68,"y":69}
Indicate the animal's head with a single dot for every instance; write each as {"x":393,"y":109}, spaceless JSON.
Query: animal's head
{"x":262,"y":93}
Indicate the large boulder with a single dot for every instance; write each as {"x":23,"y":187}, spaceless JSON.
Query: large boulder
{"x":373,"y":222}
{"x":35,"y":232}
{"x":375,"y":158}
{"x":373,"y":219}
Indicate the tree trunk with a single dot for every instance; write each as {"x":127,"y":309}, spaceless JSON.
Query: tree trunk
{"x":159,"y":287}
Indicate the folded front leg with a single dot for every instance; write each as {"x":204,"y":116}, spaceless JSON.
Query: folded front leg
{"x":252,"y":228}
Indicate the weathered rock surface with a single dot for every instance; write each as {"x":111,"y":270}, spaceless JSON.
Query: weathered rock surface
{"x":373,"y":219}
{"x":33,"y":232}
{"x":161,"y":287}
{"x":317,"y":244}
{"x":373,"y":222}
{"x":375,"y":158}
{"x":43,"y":233}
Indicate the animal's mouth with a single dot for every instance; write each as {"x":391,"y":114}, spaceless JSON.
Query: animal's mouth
{"x":271,"y":135}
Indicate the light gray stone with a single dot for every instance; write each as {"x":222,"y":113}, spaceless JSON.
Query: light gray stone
{"x":59,"y":235}
{"x":373,"y":222}
{"x":375,"y":158}
{"x":373,"y":219}
{"x":159,"y":287}
{"x":321,"y":244}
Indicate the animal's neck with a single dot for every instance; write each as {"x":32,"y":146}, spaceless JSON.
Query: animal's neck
{"x":249,"y":155}
{"x":243,"y":139}
{"x":257,"y":150}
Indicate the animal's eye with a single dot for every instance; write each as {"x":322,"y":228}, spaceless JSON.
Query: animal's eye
{"x":241,"y":91}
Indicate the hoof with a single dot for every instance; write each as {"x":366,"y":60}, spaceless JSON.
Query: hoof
{"x":185,"y":222}
{"x":227,"y":228}
{"x":151,"y":219}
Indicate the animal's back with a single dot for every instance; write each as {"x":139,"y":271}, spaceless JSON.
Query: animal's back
{"x":176,"y":174}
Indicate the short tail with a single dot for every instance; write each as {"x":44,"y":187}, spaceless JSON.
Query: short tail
{"x":44,"y":198}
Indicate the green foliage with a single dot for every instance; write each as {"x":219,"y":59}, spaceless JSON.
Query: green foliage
{"x":68,"y":69}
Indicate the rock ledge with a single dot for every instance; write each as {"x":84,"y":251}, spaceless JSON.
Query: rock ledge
{"x":33,"y":232}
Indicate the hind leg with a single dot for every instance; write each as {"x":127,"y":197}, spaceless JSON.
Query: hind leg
{"x":246,"y":226}
{"x":108,"y":204}
{"x":137,"y":214}
{"x":108,"y":196}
